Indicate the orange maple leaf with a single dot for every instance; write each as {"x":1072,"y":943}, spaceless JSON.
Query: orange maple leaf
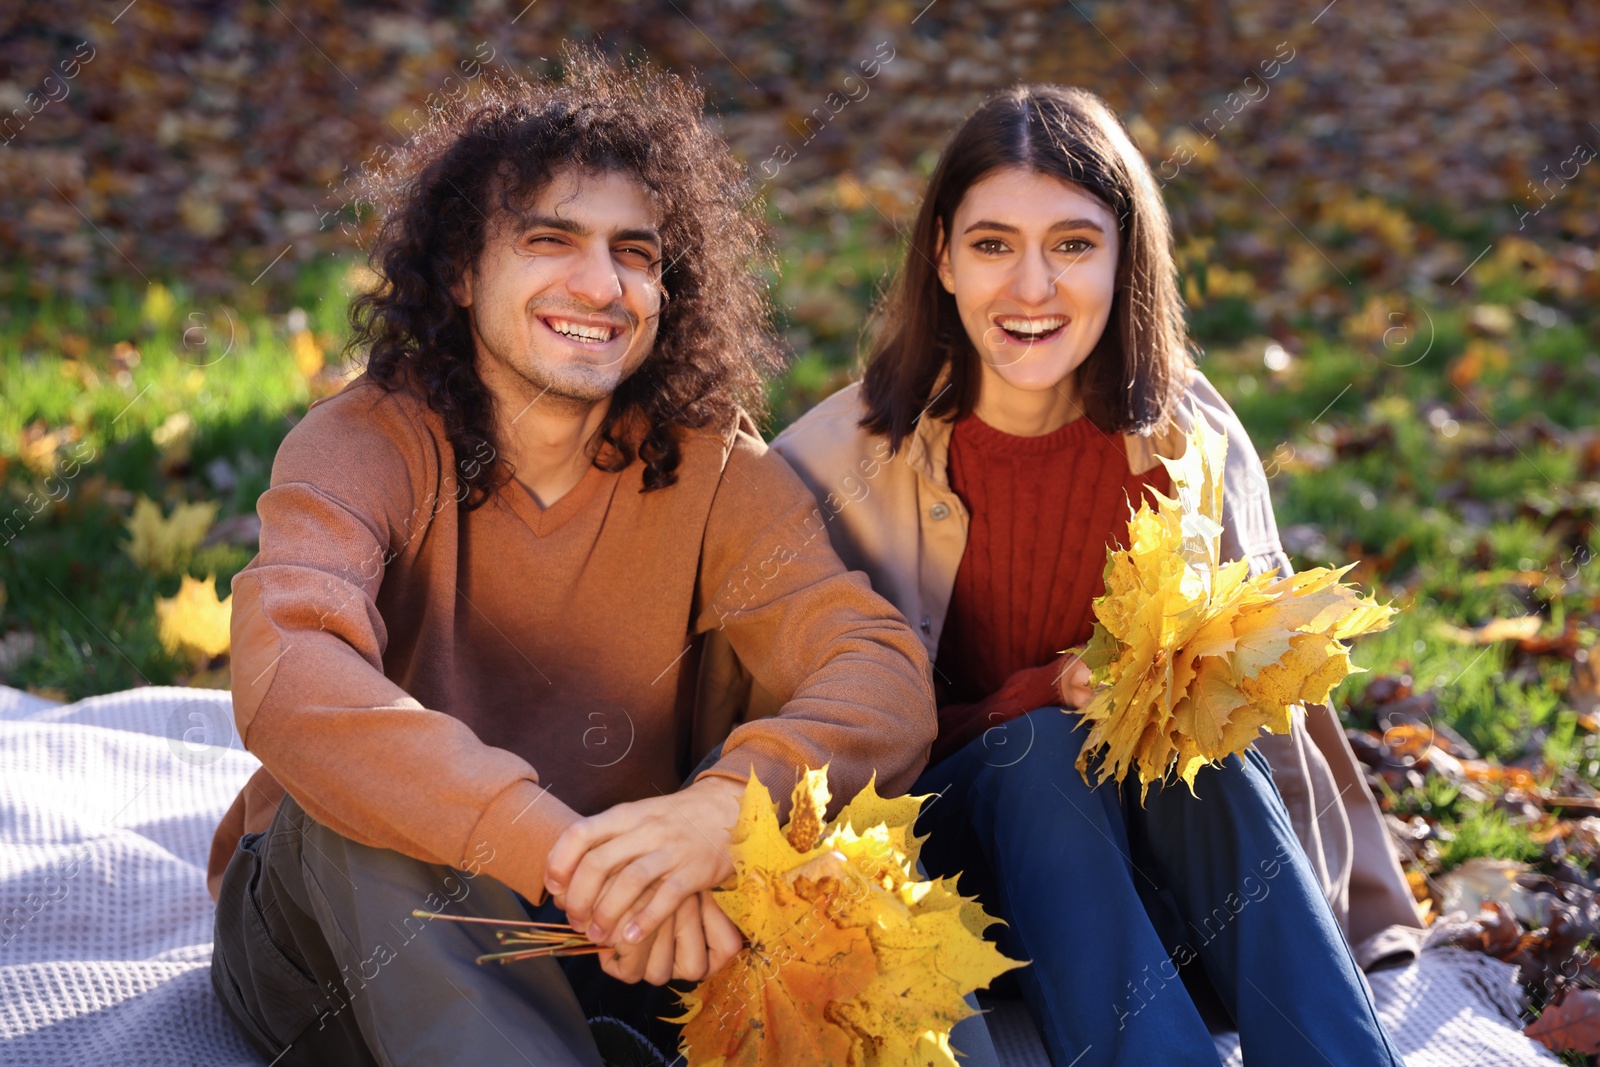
{"x":852,"y":957}
{"x":764,"y":1008}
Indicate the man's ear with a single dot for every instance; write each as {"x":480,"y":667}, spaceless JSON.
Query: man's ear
{"x":942,"y":258}
{"x":461,"y":288}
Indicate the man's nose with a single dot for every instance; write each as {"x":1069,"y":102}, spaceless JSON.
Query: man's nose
{"x":594,"y":278}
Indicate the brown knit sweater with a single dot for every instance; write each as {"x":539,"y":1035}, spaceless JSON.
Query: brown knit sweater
{"x":460,"y":686}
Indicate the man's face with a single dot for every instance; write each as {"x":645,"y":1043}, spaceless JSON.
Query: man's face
{"x":566,"y":306}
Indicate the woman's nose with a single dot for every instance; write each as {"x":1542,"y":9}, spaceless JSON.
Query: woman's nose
{"x":1034,"y":281}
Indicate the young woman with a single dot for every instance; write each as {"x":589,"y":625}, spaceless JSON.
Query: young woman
{"x":1027,"y":366}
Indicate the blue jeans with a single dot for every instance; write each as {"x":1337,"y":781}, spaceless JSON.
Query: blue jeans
{"x":1109,"y":899}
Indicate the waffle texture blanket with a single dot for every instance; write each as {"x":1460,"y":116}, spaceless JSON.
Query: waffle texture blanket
{"x":107,"y":808}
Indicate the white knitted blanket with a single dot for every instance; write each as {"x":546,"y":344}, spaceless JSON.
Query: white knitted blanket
{"x":107,"y":808}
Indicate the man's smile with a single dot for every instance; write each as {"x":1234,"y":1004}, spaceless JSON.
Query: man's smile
{"x":592,"y":334}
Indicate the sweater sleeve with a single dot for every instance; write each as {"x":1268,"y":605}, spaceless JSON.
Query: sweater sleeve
{"x":1025,"y":690}
{"x":353,"y":488}
{"x":855,"y":680}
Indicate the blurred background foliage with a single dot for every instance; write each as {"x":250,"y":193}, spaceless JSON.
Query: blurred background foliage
{"x":1385,"y":221}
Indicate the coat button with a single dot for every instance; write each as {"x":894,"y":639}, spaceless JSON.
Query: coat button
{"x":939,"y":511}
{"x":927,"y":623}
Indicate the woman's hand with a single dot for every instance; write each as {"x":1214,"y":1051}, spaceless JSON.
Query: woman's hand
{"x":698,"y":941}
{"x":1073,"y":682}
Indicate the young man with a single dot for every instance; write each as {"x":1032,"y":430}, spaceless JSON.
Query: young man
{"x":467,"y":653}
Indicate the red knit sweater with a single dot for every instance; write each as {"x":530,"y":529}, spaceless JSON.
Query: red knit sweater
{"x":1044,"y":511}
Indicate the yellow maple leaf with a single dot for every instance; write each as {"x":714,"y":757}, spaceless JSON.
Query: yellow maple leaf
{"x":769,"y":1005}
{"x":852,"y":957}
{"x":164,"y":544}
{"x":194,"y":623}
{"x":1191,"y":657}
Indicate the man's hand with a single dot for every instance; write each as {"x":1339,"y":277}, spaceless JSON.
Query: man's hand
{"x":698,"y":941}
{"x":723,"y":939}
{"x":1073,"y":681}
{"x":641,"y":860}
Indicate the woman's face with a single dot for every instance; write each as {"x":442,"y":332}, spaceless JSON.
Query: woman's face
{"x":1032,"y":263}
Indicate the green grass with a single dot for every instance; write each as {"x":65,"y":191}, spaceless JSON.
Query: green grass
{"x":196,"y":415}
{"x":1440,"y":493}
{"x":1486,"y":831}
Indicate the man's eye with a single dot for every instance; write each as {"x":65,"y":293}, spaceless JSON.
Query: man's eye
{"x":641,"y":256}
{"x":545,"y":238}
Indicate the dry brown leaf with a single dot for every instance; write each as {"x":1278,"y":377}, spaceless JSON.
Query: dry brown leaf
{"x":1519,"y":629}
{"x":1573,"y":1024}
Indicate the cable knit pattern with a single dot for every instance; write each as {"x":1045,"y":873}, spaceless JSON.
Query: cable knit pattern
{"x":1043,"y":511}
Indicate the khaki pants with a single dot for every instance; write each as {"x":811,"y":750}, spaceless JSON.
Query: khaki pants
{"x":319,"y":961}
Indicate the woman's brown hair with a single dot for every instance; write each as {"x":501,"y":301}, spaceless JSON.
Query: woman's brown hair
{"x":1138,"y":370}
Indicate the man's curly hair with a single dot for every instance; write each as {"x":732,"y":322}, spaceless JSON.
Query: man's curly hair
{"x":495,"y":149}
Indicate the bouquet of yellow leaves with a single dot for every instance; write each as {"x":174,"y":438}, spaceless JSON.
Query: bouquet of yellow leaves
{"x":1192,"y":658}
{"x":851,"y":957}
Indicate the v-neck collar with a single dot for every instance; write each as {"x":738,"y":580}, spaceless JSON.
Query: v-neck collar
{"x":546,"y":521}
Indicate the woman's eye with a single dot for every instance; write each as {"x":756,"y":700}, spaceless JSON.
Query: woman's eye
{"x":989,"y":246}
{"x":1084,"y":245}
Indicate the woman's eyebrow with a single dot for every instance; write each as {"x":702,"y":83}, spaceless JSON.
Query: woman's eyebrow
{"x":1064,"y":224}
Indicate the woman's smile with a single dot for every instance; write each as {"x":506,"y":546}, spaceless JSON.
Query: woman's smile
{"x":1028,"y":330}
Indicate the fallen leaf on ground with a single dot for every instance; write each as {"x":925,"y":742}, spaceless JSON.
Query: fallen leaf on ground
{"x":1519,"y":629}
{"x":194,"y":623}
{"x":163,"y":543}
{"x":1498,"y":932}
{"x":308,"y":358}
{"x":1478,"y":881}
{"x":1572,"y":1024}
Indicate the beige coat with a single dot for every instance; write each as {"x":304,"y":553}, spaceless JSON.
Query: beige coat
{"x":897,"y":519}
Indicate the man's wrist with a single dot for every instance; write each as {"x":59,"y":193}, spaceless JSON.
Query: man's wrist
{"x":725,"y":795}
{"x":512,"y":840}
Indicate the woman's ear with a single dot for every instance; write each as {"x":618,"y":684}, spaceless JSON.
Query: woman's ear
{"x":947,"y":277}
